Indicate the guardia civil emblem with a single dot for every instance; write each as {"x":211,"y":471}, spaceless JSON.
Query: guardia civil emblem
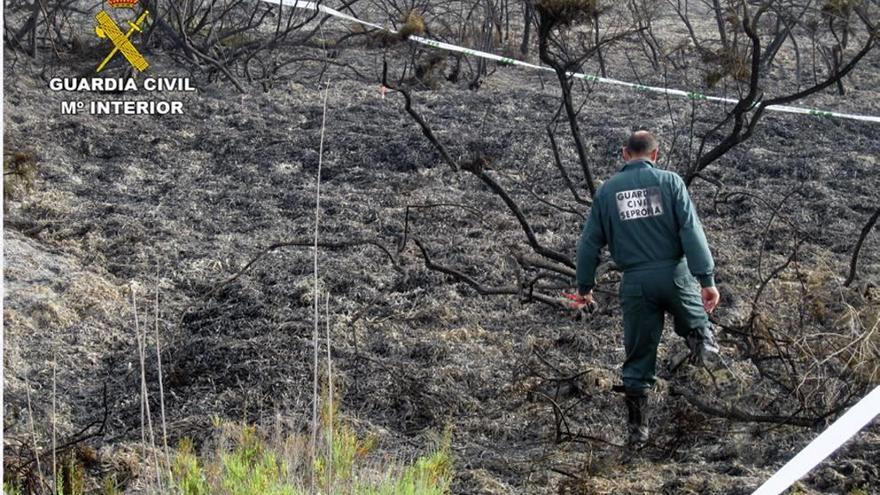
{"x":107,"y":28}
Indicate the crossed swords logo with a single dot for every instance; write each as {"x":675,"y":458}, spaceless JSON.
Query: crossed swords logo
{"x":107,"y":28}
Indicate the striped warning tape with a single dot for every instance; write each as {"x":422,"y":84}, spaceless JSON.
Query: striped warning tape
{"x":692,"y":95}
{"x":822,"y":446}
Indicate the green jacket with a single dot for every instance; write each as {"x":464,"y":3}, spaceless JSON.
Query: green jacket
{"x":646,"y":217}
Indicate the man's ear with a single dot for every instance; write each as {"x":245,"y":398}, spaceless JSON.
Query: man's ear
{"x":654,"y":155}
{"x":625,"y":154}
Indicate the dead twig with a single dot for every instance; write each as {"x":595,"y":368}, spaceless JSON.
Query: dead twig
{"x":855,"y":256}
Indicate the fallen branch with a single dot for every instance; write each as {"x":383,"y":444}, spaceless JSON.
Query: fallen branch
{"x":480,"y":288}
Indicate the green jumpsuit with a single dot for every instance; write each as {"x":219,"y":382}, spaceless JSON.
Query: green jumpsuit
{"x":646,"y":218}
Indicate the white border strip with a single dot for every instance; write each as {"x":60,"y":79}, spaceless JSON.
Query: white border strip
{"x":830,"y":440}
{"x":510,"y":61}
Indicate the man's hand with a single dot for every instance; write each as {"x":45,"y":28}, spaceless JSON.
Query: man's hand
{"x":710,"y":298}
{"x":581,"y":301}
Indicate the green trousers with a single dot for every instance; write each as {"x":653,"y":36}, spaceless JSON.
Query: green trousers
{"x":645,"y":297}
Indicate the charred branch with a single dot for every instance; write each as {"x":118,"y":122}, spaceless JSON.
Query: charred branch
{"x":480,"y":288}
{"x":855,"y":256}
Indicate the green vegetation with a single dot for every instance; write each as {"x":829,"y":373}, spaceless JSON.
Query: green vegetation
{"x":247,"y":462}
{"x":71,"y":477}
{"x":344,"y":465}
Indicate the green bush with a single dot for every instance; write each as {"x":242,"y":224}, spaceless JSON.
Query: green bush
{"x":188,"y":475}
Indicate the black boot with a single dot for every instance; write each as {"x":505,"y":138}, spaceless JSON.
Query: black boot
{"x":637,"y":415}
{"x":704,"y":349}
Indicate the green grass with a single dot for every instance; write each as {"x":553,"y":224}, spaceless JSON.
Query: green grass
{"x":248,"y":462}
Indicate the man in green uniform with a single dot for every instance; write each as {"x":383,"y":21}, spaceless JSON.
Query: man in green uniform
{"x":646,"y":218}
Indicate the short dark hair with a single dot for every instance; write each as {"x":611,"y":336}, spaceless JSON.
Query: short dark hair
{"x":641,"y":142}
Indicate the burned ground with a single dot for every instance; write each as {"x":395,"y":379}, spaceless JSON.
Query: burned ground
{"x":181,"y":203}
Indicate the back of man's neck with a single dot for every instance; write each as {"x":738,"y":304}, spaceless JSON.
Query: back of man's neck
{"x":640,"y":159}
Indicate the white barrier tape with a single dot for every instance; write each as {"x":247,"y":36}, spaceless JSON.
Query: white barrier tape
{"x":510,"y":61}
{"x":839,"y":432}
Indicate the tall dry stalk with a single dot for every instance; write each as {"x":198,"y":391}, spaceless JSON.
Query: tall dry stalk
{"x":330,"y":404}
{"x":140,"y":353}
{"x":315,"y":333}
{"x":54,"y":421}
{"x":161,"y":385}
{"x":145,"y":401}
{"x":27,"y":387}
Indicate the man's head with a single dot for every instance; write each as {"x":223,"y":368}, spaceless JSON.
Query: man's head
{"x":641,"y":144}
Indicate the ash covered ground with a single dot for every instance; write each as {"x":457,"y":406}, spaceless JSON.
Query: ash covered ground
{"x":181,"y":203}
